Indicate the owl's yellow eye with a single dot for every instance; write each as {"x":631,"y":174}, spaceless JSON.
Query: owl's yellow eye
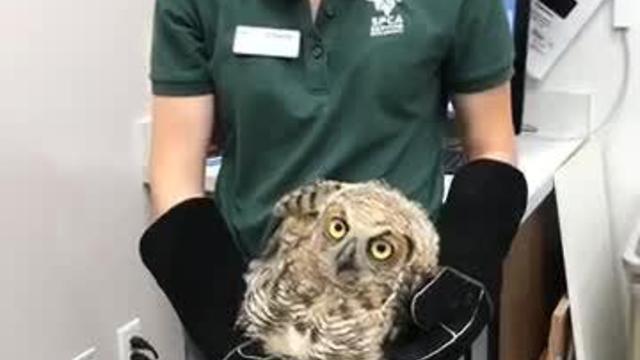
{"x":380,"y":250}
{"x":337,"y":228}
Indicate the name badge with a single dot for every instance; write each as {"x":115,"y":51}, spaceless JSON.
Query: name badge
{"x":262,"y":41}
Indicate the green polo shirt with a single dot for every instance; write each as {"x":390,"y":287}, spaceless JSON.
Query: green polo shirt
{"x":365,"y":98}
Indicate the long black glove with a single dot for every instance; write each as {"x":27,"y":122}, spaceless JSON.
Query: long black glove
{"x":478,"y":222}
{"x":485,"y":204}
{"x":192,"y":257}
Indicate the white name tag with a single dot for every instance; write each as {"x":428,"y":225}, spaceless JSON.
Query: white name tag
{"x":262,"y":41}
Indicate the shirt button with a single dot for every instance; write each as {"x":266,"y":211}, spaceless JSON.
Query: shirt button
{"x":330,"y":12}
{"x":317,"y":51}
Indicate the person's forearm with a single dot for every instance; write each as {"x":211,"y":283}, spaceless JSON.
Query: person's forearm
{"x":486,"y":124}
{"x":505,"y":151}
{"x":181,"y":130}
{"x":172,"y":183}
{"x":502,"y":148}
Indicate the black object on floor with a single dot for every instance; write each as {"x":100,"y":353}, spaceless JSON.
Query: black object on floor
{"x":138,"y":356}
{"x":140,"y":345}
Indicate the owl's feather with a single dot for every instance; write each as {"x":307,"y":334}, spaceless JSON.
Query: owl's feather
{"x":302,"y":305}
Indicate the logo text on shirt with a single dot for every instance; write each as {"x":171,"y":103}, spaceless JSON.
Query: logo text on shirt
{"x":386,"y":23}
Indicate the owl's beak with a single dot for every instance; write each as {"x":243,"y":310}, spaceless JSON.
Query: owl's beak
{"x":345,"y":259}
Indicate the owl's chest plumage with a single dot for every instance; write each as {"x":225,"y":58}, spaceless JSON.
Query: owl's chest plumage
{"x":295,"y":310}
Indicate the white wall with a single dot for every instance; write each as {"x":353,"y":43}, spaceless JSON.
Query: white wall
{"x":621,"y":144}
{"x":593,"y":64}
{"x":72,"y":83}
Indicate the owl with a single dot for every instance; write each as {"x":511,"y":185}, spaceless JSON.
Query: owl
{"x":337,"y":273}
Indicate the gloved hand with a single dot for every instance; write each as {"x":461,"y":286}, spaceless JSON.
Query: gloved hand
{"x":477,"y":224}
{"x":448,"y":314}
{"x":190,"y":253}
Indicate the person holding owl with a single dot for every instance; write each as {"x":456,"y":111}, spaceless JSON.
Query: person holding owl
{"x":348,"y":90}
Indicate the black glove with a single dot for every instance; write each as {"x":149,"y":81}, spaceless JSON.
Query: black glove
{"x":477,"y":224}
{"x":190,"y":253}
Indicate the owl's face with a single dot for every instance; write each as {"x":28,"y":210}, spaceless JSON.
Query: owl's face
{"x":365,"y":237}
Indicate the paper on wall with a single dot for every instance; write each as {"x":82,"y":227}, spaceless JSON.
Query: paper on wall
{"x":554,"y":24}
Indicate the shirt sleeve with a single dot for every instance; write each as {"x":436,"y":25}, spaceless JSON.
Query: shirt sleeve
{"x":481,"y":55}
{"x":181,"y":50}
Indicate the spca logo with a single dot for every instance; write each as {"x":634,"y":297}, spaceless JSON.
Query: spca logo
{"x":386,"y":23}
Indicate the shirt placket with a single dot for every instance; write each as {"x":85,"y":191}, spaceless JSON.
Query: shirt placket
{"x":315,"y":45}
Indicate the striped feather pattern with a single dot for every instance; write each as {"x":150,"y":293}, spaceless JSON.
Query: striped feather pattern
{"x":299,"y":311}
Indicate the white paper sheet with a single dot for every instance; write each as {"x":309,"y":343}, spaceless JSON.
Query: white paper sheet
{"x":554,"y":24}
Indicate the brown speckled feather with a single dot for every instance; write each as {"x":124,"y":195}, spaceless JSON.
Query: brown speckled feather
{"x":302,"y":303}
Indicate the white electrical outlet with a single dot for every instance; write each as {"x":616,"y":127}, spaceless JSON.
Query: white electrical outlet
{"x":90,"y":354}
{"x":124,"y":333}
